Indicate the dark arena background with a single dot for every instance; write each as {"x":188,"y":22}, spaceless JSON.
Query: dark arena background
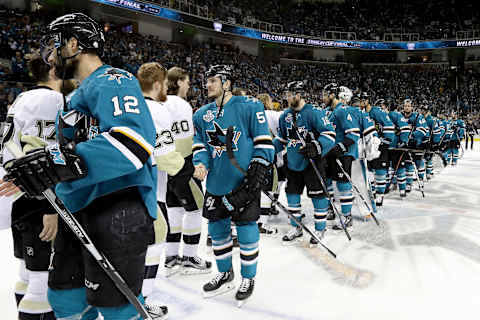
{"x":423,"y":259}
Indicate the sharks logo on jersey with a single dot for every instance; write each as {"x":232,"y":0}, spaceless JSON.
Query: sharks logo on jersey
{"x":217,"y":139}
{"x":116,"y":74}
{"x":293,"y":138}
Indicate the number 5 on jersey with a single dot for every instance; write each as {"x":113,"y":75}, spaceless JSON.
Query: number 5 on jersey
{"x":129,"y":104}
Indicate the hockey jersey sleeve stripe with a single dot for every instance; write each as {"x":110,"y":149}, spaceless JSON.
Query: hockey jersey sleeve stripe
{"x":281,"y":139}
{"x":368,"y":131}
{"x":328,"y":136}
{"x":197,"y":148}
{"x":139,"y":152}
{"x":352,"y":130}
{"x":264,"y":137}
{"x":124,"y":150}
{"x":134,"y":137}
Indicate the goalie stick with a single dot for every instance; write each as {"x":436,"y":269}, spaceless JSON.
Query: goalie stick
{"x":234,"y":162}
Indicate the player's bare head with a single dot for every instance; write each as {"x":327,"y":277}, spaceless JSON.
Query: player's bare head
{"x":39,"y":69}
{"x":219,"y":80}
{"x":178,"y":82}
{"x":153,"y":80}
{"x":70,"y":38}
{"x":266,"y":100}
{"x":407,"y":106}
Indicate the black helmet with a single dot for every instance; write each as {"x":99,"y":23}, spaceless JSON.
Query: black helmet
{"x":78,"y":25}
{"x":222,"y":71}
{"x":356,"y":99}
{"x":379,"y":102}
{"x":331,"y":88}
{"x":295,"y":86}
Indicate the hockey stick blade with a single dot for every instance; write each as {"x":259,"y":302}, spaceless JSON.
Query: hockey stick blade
{"x":234,"y":162}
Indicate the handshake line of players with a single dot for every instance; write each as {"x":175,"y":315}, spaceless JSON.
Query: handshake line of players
{"x":136,"y":152}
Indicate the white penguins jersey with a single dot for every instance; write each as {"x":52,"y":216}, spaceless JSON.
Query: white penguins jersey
{"x":182,"y":124}
{"x":273,"y":118}
{"x":33,"y":113}
{"x":167,"y":159}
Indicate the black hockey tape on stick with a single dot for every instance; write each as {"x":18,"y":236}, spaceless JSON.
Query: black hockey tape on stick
{"x":235,"y":163}
{"x":407,"y":150}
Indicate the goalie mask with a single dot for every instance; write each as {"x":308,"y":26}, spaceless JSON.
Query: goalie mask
{"x":345,"y":94}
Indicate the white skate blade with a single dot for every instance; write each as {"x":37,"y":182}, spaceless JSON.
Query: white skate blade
{"x":294,"y":242}
{"x":223,"y":289}
{"x":169,"y":272}
{"x":194,"y":271}
{"x":240,"y":303}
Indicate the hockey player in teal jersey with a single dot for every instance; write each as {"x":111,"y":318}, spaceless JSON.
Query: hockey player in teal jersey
{"x":419,"y":128}
{"x":458,"y":133}
{"x":400,"y":140}
{"x":386,"y":131}
{"x":231,"y":196}
{"x":116,"y":200}
{"x":434,"y":133}
{"x":318,"y":133}
{"x":347,"y":130}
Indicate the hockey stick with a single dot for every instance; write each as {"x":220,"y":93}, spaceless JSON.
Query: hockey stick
{"x":420,"y":185}
{"x":397,"y":166}
{"x":357,"y":191}
{"x":322,"y":182}
{"x":367,"y":178}
{"x":234,"y":162}
{"x":102,"y":260}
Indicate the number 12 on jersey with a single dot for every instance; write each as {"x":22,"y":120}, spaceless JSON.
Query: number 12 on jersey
{"x":129,"y":104}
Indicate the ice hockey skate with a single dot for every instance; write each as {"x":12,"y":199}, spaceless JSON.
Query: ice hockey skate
{"x":195,"y":265}
{"x":320,"y":234}
{"x":244,"y":291}
{"x":222,"y":283}
{"x":172,"y":265}
{"x":293,"y":236}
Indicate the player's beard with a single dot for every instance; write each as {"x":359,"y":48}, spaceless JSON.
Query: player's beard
{"x":65,"y":68}
{"x":162,"y":97}
{"x":295,"y":104}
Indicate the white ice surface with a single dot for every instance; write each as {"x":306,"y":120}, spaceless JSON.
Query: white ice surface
{"x":423,"y":264}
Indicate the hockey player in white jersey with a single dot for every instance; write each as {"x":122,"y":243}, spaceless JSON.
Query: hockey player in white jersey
{"x":31,"y":124}
{"x":184,"y":193}
{"x":266,"y":206}
{"x":153,"y":81}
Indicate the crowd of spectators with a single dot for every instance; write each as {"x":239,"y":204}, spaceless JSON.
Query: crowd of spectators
{"x":21,"y":34}
{"x":369,"y":19}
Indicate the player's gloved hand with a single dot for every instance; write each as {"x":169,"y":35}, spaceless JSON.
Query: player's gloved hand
{"x":239,"y":198}
{"x":401,"y":145}
{"x":31,"y":142}
{"x":43,"y":168}
{"x":337,"y":151}
{"x":259,"y":173}
{"x":423,"y":145}
{"x":311,"y":150}
{"x":412,"y":144}
{"x":385,"y":143}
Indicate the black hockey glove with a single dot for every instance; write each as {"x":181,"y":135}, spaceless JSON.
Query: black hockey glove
{"x":412,"y":144}
{"x":384,"y":145}
{"x":401,"y":145}
{"x":337,"y":151}
{"x":239,"y":198}
{"x":312,"y":150}
{"x":42,"y":169}
{"x":259,"y":175}
{"x":424,"y":146}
